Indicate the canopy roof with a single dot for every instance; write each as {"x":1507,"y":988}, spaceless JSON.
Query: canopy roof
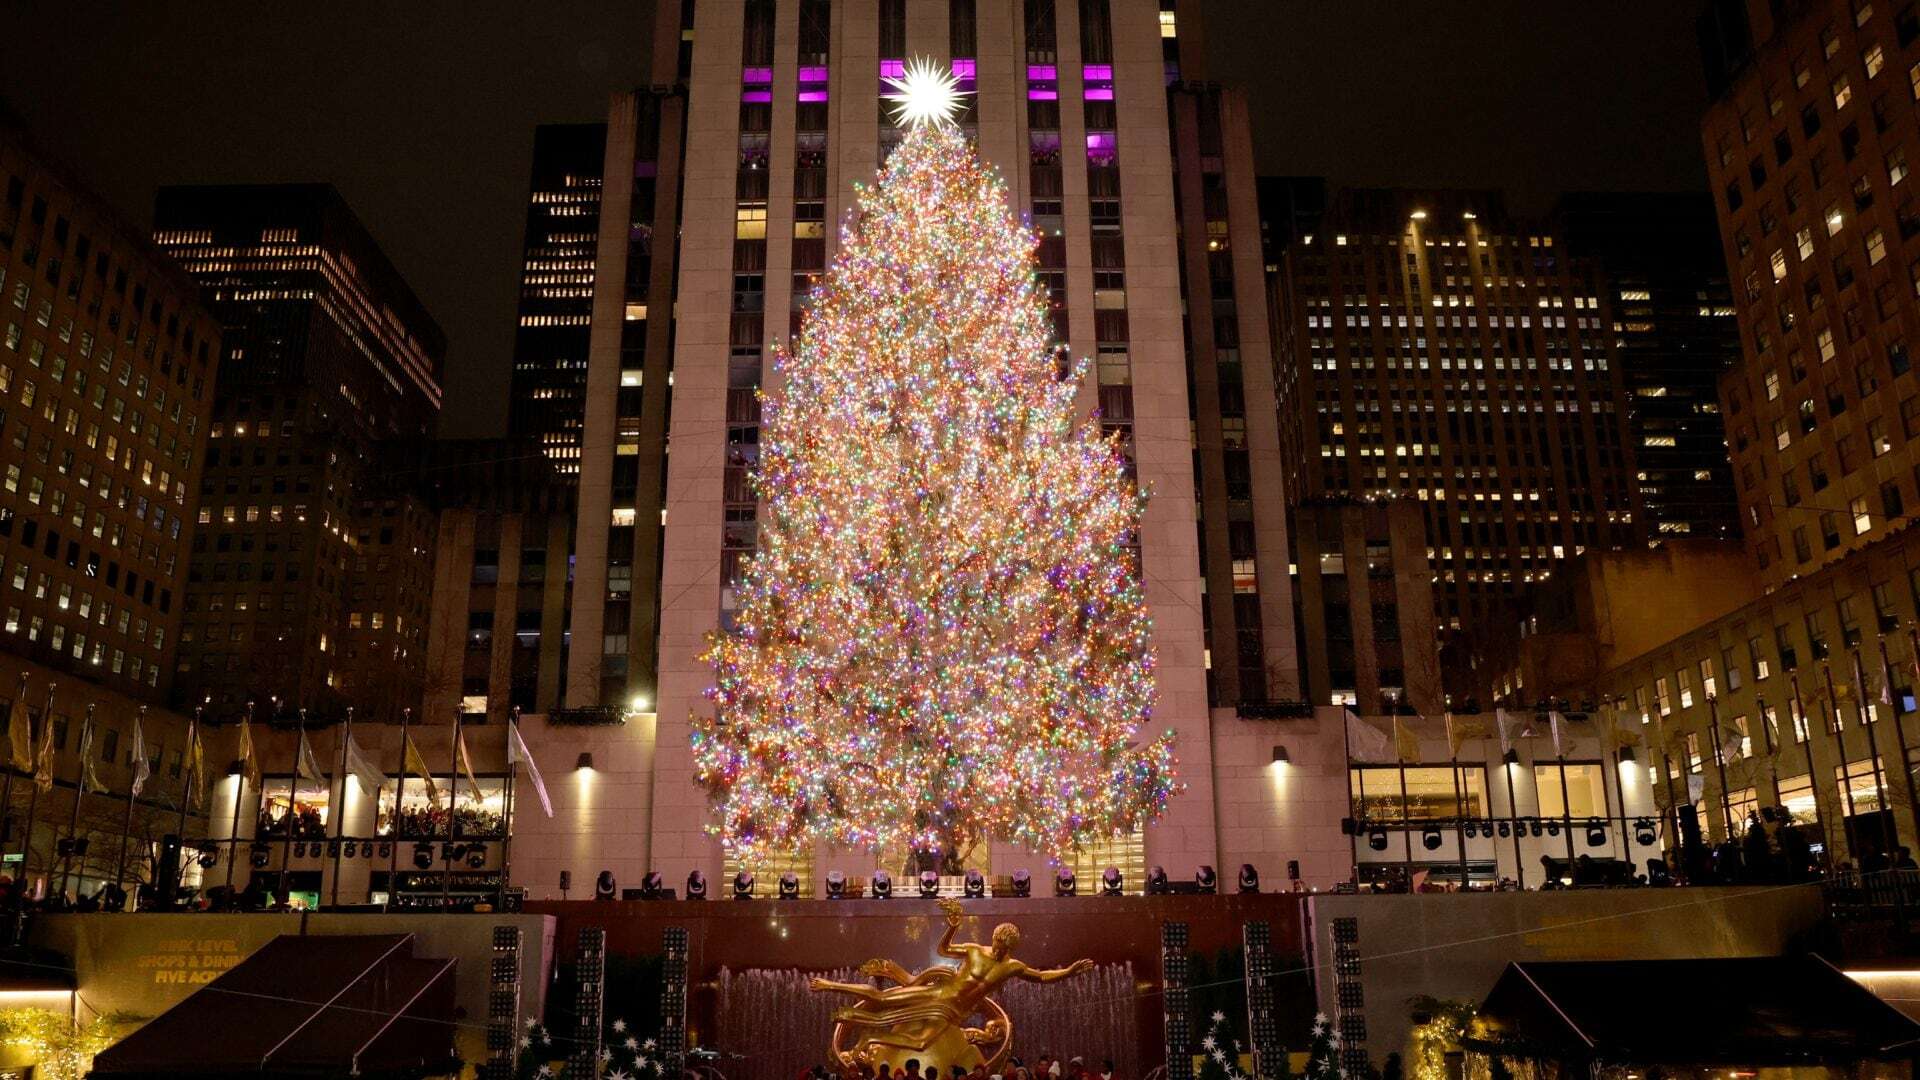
{"x":1760,"y":1011}
{"x":303,"y":1006}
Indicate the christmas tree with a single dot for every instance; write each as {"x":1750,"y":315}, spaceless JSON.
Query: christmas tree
{"x":940,"y":638}
{"x":1323,"y":1052}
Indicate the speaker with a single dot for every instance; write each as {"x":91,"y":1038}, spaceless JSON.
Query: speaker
{"x":566,"y":881}
{"x":169,"y":865}
{"x":603,"y":886}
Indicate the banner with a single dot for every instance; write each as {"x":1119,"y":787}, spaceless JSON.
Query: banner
{"x":370,"y":777}
{"x":249,"y":758}
{"x":412,"y":762}
{"x":1368,"y":743}
{"x":141,"y":767}
{"x":20,"y":732}
{"x":306,"y":764}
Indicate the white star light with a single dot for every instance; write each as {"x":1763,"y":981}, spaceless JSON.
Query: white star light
{"x":925,"y":93}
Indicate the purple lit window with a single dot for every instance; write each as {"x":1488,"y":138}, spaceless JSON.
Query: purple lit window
{"x":1098,"y":81}
{"x":756,"y":85}
{"x":756,"y":96}
{"x":1042,"y":73}
{"x":1101,"y":148}
{"x":893,"y":69}
{"x":964,"y":69}
{"x":811,"y":74}
{"x":756,"y":75}
{"x":812,"y":84}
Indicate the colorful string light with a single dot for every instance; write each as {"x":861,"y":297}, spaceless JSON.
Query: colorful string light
{"x":940,"y":638}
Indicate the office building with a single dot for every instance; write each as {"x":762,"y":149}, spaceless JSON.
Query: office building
{"x":1676,"y":335}
{"x":552,"y":331}
{"x":310,"y":578}
{"x":107,"y":371}
{"x":1432,"y":349}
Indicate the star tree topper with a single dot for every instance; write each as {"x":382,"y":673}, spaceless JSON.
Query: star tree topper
{"x":925,"y":93}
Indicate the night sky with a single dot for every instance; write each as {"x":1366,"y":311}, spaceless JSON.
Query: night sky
{"x":422,"y":113}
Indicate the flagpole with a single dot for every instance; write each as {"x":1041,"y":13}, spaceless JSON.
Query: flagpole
{"x":1813,"y":778}
{"x":1513,"y":802}
{"x":1828,"y":714}
{"x":79,"y":793}
{"x":1566,"y":795}
{"x":453,"y":809}
{"x":6,"y":786}
{"x":1353,"y":834}
{"x":186,"y":796}
{"x":393,"y":830}
{"x":1720,"y":762}
{"x":239,"y":792}
{"x":126,"y":825}
{"x":1459,"y":801}
{"x":340,"y":807}
{"x":1610,"y":763}
{"x":1889,"y":837}
{"x":506,"y":808}
{"x":1899,"y":727}
{"x":33,"y":800}
{"x":293,"y":798}
{"x":1773,"y":750}
{"x":1406,"y":811}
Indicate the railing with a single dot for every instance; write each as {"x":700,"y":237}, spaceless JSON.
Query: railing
{"x":1871,"y":896}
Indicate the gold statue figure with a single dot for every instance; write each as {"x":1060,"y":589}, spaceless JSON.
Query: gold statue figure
{"x":925,"y":1015}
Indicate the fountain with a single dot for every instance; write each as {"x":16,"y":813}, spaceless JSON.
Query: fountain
{"x":771,"y":1027}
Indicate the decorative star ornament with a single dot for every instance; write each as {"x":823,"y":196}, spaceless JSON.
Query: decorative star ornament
{"x":926,"y":93}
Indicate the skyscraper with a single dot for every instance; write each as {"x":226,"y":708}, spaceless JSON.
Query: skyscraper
{"x":1673,"y":322}
{"x":719,"y":191}
{"x":309,"y":582}
{"x":1434,"y":349}
{"x":552,"y":332}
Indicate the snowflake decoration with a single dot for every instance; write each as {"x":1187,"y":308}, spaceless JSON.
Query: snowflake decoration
{"x":924,"y":93}
{"x":619,"y":1025}
{"x":649,"y":1044}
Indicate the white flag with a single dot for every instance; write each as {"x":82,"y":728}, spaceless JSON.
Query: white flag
{"x":370,"y":777}
{"x":1554,"y":722}
{"x":308,"y":768}
{"x":1367,"y":743}
{"x":1505,"y":723}
{"x":517,"y":751}
{"x":141,"y":769}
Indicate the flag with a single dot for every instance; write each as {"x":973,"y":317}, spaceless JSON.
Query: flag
{"x":141,"y":768}
{"x":197,"y":762}
{"x":43,"y":757}
{"x":1505,"y":723}
{"x":1696,"y":787}
{"x":1860,"y":689}
{"x":1730,"y":746}
{"x":517,"y":752}
{"x":370,"y":777}
{"x":1454,"y":736}
{"x":306,"y":764}
{"x":20,"y":733}
{"x":249,"y":757}
{"x":1554,"y":722}
{"x":1406,"y":744}
{"x":89,"y":779}
{"x":412,"y":762}
{"x":466,"y":766}
{"x":1886,"y":677}
{"x":1368,"y":743}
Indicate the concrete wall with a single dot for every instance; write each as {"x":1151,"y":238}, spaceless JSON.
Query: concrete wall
{"x":1455,"y":946}
{"x":146,"y":964}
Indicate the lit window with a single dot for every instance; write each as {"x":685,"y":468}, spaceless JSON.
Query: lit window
{"x":1876,"y":247}
{"x":1167,"y":25}
{"x":1778,"y":260}
{"x":1875,"y":59}
{"x":1862,"y":517}
{"x":1842,"y":92}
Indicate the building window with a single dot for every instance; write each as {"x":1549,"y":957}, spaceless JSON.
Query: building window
{"x":1576,"y":789}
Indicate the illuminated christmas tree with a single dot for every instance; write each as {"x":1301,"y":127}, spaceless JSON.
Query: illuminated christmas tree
{"x":941,"y":638}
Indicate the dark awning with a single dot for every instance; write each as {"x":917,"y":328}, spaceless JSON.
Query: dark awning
{"x":303,"y":1006}
{"x":1757,"y":1011}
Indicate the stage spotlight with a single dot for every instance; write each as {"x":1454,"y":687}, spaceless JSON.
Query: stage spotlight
{"x":651,"y":886}
{"x":477,"y":857}
{"x":836,"y":885}
{"x":1110,"y":881}
{"x":696,"y":886}
{"x":1643,"y":832}
{"x":386,"y":850}
{"x":976,"y":885}
{"x":1377,"y":840}
{"x":257,"y":856}
{"x":1157,"y":881}
{"x":1022,"y":883}
{"x":1064,"y":884}
{"x":64,"y":848}
{"x":1553,"y":828}
{"x":1430,"y":839}
{"x":1293,"y":870}
{"x":1537,"y":828}
{"x":882,"y":885}
{"x":1249,"y":878}
{"x":929,"y":884}
{"x":1504,"y":830}
{"x":743,"y":885}
{"x":789,"y":886}
{"x":423,"y":856}
{"x":1596,"y":834}
{"x":1205,"y":879}
{"x":1470,"y":830}
{"x":603,"y":886}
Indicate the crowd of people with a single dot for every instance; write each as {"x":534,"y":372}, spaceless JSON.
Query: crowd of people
{"x":1045,"y":1067}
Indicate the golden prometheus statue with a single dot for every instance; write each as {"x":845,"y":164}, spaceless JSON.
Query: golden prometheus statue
{"x":924,"y":1016}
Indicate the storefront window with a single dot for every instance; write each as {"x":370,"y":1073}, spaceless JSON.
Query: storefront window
{"x":289,"y":801}
{"x":1430,"y":793}
{"x":424,"y":816}
{"x":1796,"y":796}
{"x":1857,"y":777}
{"x":1584,"y":794}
